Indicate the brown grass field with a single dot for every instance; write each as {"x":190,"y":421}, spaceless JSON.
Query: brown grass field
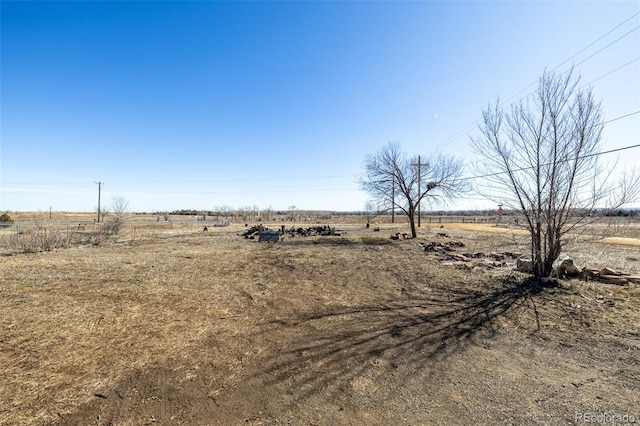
{"x":171,"y":325}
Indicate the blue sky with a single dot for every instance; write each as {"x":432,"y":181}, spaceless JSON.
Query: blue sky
{"x":203,"y":104}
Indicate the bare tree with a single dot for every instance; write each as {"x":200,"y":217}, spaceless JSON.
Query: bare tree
{"x":373,"y":209}
{"x":226,"y":211}
{"x":394,"y":179}
{"x":119,"y":206}
{"x":112,"y":226}
{"x":292,"y":212}
{"x":267,"y":214}
{"x":541,"y":158}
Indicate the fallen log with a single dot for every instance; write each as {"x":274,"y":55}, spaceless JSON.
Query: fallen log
{"x":613,"y":279}
{"x":609,"y":271}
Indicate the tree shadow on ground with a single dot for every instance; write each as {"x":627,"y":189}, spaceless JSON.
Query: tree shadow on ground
{"x":333,"y":346}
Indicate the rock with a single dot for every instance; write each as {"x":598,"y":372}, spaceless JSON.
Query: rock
{"x":524,"y":265}
{"x":613,"y":279}
{"x":459,"y":257}
{"x":475,"y":255}
{"x":567,"y":269}
{"x":589,"y":273}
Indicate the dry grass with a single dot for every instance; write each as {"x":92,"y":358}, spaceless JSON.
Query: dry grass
{"x":622,"y":241}
{"x":179,"y":326}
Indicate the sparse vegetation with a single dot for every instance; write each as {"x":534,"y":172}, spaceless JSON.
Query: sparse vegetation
{"x":114,"y":223}
{"x":210,"y":328}
{"x":540,"y":158}
{"x":39,"y":238}
{"x":5,"y":218}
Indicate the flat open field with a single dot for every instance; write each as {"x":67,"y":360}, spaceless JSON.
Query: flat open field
{"x":209,"y":328}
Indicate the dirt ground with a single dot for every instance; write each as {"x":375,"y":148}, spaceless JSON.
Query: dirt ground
{"x":208,"y":328}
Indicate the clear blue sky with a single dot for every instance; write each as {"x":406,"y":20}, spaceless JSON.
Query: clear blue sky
{"x":203,"y":104}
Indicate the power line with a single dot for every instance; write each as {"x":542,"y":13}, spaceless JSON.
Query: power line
{"x":607,"y":46}
{"x":600,"y":38}
{"x":604,"y":122}
{"x":338,"y":189}
{"x":465,"y":130}
{"x":559,"y":161}
{"x":620,"y":118}
{"x":254,"y":180}
{"x":582,"y":50}
{"x":255,"y":191}
{"x":341,"y":189}
{"x":611,"y":72}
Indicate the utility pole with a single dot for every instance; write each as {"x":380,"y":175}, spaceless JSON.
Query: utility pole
{"x":393,"y":200}
{"x":99,"y":190}
{"x":419,"y":165}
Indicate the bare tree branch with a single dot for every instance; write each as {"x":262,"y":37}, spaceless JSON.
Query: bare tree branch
{"x":393,"y":179}
{"x":541,"y":158}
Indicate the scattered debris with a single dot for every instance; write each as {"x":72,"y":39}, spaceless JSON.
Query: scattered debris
{"x":253,"y":231}
{"x":563,"y":268}
{"x":269,"y":236}
{"x":324,"y":231}
{"x":399,"y":236}
{"x":609,"y":276}
{"x":444,"y":253}
{"x":439,"y":247}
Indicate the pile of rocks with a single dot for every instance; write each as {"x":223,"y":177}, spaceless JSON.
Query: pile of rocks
{"x":563,"y":268}
{"x":444,"y":252}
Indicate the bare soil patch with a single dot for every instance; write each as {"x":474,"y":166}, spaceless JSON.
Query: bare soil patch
{"x":482,"y":227}
{"x":633,"y":242}
{"x":209,"y":328}
{"x":488,"y":228}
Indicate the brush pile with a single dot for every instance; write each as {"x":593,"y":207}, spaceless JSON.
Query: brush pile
{"x":323,"y":231}
{"x":444,"y":252}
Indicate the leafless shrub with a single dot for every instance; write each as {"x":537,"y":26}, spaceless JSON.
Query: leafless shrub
{"x":110,"y":228}
{"x":39,"y":238}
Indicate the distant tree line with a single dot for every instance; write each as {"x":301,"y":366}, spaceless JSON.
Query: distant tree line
{"x":623,"y":213}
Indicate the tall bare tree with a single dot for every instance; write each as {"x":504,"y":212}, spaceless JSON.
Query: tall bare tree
{"x":401,"y":182}
{"x":540,"y":157}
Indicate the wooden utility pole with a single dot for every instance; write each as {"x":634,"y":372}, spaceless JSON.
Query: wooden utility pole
{"x":99,"y":191}
{"x":419,"y":165}
{"x":393,"y":200}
